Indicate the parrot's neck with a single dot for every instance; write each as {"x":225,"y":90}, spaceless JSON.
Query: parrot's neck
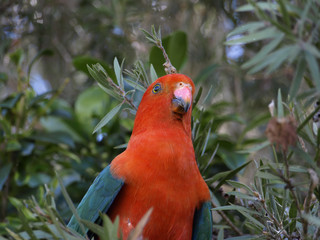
{"x":161,"y":120}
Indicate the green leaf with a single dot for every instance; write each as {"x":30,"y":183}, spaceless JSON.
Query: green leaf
{"x":292,"y":215}
{"x":4,"y":174}
{"x":91,"y":102}
{"x":250,"y":27}
{"x":176,"y":46}
{"x":58,"y":137}
{"x":311,"y":49}
{"x":177,"y":49}
{"x":236,"y":184}
{"x":135,"y":85}
{"x":153,"y":73}
{"x":236,"y":208}
{"x":260,"y":56}
{"x":279,"y":55}
{"x":11,"y":101}
{"x":242,"y":195}
{"x":256,"y":148}
{"x":17,"y":57}
{"x":70,"y":203}
{"x":80,"y":63}
{"x":295,"y":85}
{"x":314,"y":69}
{"x":118,"y":71}
{"x":266,"y":175}
{"x":279,"y":105}
{"x":269,"y":32}
{"x":294,"y":52}
{"x":107,"y":117}
{"x":13,"y":145}
{"x":231,"y":174}
{"x":44,"y":52}
{"x":262,"y":5}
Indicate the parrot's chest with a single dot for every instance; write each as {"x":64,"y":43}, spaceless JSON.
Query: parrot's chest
{"x":162,"y":175}
{"x":172,"y":198}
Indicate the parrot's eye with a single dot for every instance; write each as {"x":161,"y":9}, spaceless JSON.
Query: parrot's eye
{"x":156,"y":88}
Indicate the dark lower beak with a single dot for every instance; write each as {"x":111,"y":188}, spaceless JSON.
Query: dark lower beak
{"x":180,"y":106}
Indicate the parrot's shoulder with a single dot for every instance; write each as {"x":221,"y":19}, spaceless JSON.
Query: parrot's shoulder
{"x":202,"y":222}
{"x":98,"y":198}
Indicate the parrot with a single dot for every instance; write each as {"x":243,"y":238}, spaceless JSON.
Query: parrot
{"x":157,"y":171}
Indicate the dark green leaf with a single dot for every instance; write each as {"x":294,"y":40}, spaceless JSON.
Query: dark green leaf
{"x":4,"y":174}
{"x":177,"y":49}
{"x":11,"y":101}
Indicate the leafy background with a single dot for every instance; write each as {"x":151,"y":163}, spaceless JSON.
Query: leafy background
{"x":239,"y":53}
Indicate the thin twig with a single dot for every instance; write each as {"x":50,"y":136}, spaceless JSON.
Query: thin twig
{"x":224,"y":216}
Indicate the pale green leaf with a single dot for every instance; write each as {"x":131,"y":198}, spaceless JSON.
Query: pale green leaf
{"x":135,"y":85}
{"x":253,"y":37}
{"x":153,"y":73}
{"x":280,"y":105}
{"x":249,"y":27}
{"x":262,"y":5}
{"x":314,"y":69}
{"x":107,"y":117}
{"x":263,"y":52}
{"x":118,"y":72}
{"x":236,"y":184}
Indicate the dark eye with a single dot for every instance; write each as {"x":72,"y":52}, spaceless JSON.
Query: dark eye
{"x":156,"y":88}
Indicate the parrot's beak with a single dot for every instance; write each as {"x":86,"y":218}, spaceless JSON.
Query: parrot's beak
{"x":182,"y":98}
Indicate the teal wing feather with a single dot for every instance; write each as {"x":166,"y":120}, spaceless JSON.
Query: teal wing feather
{"x":98,"y":198}
{"x":202,"y":223}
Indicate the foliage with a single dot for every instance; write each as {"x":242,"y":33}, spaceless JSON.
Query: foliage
{"x":41,"y":134}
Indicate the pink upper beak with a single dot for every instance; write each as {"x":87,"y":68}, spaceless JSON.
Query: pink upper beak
{"x":182,"y":99}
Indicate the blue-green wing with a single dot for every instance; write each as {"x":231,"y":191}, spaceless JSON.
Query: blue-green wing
{"x":98,"y":198}
{"x":202,"y":223}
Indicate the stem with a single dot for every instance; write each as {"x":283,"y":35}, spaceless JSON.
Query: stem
{"x":168,"y":67}
{"x":224,"y":216}
{"x":122,"y":93}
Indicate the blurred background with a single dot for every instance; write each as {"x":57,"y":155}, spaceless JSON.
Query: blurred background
{"x":50,"y":104}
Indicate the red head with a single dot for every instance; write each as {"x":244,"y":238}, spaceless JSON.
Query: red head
{"x":167,"y":102}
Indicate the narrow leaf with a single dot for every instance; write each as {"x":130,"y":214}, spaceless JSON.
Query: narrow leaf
{"x":262,"y":5}
{"x":269,"y":32}
{"x":263,"y":52}
{"x":314,"y":69}
{"x":279,"y":105}
{"x":153,"y":73}
{"x":107,"y":117}
{"x":118,"y":72}
{"x":251,"y":27}
{"x":295,"y":85}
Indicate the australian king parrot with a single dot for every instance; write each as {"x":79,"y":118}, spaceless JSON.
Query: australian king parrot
{"x":157,"y":170}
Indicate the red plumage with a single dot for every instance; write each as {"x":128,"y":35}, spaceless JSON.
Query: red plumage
{"x":159,"y":167}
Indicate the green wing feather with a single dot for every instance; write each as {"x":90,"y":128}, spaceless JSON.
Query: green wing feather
{"x":202,"y":223}
{"x":98,"y":198}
